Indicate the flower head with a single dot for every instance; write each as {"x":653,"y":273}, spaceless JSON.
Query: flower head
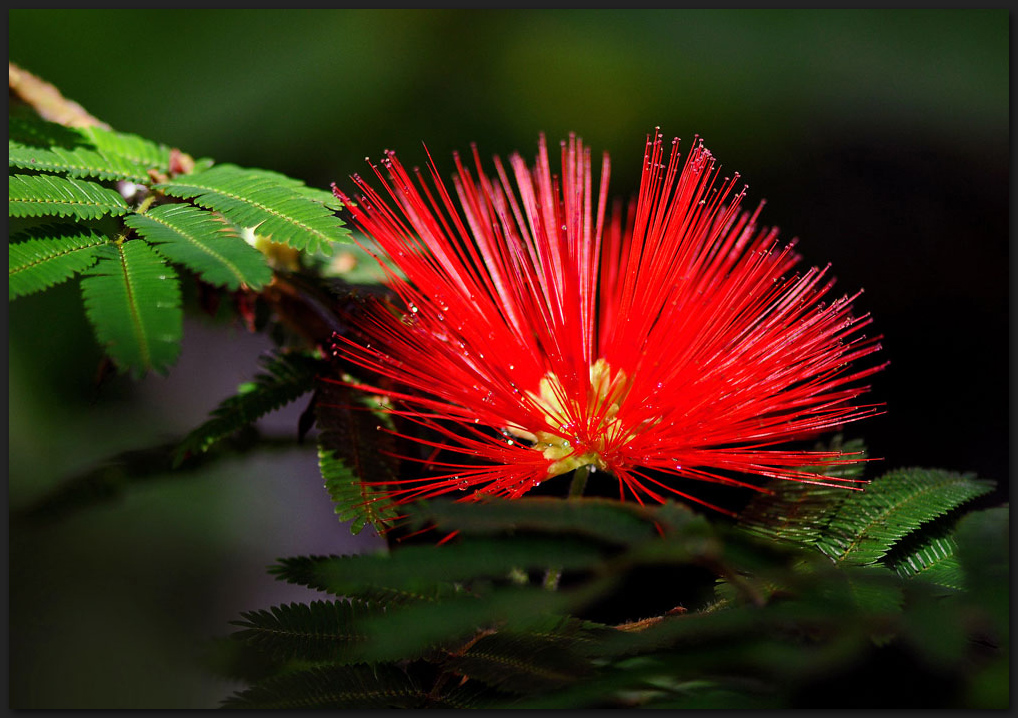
{"x":536,"y":333}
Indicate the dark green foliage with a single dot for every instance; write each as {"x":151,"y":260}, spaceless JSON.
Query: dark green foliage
{"x":521,"y":663}
{"x":306,"y":571}
{"x":473,"y":614}
{"x":319,"y":631}
{"x":138,"y":188}
{"x":860,"y":527}
{"x":885,"y":528}
{"x":797,"y":511}
{"x":359,"y":686}
{"x":286,"y":377}
{"x":421,"y":572}
{"x":281,"y":209}
{"x":44,"y":256}
{"x":602,"y":519}
{"x":984,"y":550}
{"x":133,"y":301}
{"x":204,"y":243}
{"x":26,"y":128}
{"x":355,"y":457}
{"x":867,"y":524}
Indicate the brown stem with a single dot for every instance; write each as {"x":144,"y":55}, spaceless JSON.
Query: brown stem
{"x":46,"y":99}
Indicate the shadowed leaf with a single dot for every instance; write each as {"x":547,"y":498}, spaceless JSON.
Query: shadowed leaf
{"x":354,"y":457}
{"x":357,"y":686}
{"x":45,"y":256}
{"x":132,"y":298}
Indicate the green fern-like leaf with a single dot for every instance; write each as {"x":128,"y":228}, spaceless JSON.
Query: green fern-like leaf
{"x":520,"y":663}
{"x":45,"y":256}
{"x":41,"y":195}
{"x":604,"y":519}
{"x":76,"y":162}
{"x":319,"y":631}
{"x":354,"y":458}
{"x":355,"y":686}
{"x":132,"y":298}
{"x":286,"y":377}
{"x":933,"y":561}
{"x":793,"y":511}
{"x":423,"y":571}
{"x":420,"y":629}
{"x":472,"y":694}
{"x":132,"y":148}
{"x":798,"y":512}
{"x":278,"y":207}
{"x":306,"y":571}
{"x":203,"y":242}
{"x":27,"y":128}
{"x":869,"y":523}
{"x":354,"y":500}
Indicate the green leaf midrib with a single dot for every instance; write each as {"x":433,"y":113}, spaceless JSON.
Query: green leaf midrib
{"x":520,"y":665}
{"x":298,"y":633}
{"x":73,"y":164}
{"x":133,"y":307}
{"x":248,"y":200}
{"x":101,"y":241}
{"x":194,"y":241}
{"x":882,"y":516}
{"x":337,"y":697}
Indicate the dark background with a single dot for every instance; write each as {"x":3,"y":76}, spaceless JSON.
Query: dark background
{"x":879,"y":138}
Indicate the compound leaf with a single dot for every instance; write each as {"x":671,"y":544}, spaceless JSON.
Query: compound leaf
{"x":278,"y":207}
{"x":40,"y":195}
{"x":132,"y":148}
{"x":45,"y":256}
{"x":519,"y":662}
{"x":77,"y":162}
{"x":354,"y":458}
{"x":318,"y":631}
{"x":604,"y":519}
{"x":203,"y":242}
{"x":869,"y":523}
{"x":934,"y":561}
{"x":27,"y":128}
{"x":354,"y":686}
{"x":421,"y":571}
{"x":798,"y":512}
{"x":132,"y":298}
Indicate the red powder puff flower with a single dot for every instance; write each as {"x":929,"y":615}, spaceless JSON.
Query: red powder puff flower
{"x":535,"y":340}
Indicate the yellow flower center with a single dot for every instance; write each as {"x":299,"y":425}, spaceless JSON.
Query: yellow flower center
{"x":579,"y":434}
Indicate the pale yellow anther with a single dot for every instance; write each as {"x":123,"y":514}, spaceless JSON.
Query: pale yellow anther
{"x":606,"y":394}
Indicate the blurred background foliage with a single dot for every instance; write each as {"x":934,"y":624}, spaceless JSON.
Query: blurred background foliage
{"x":880,"y":138}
